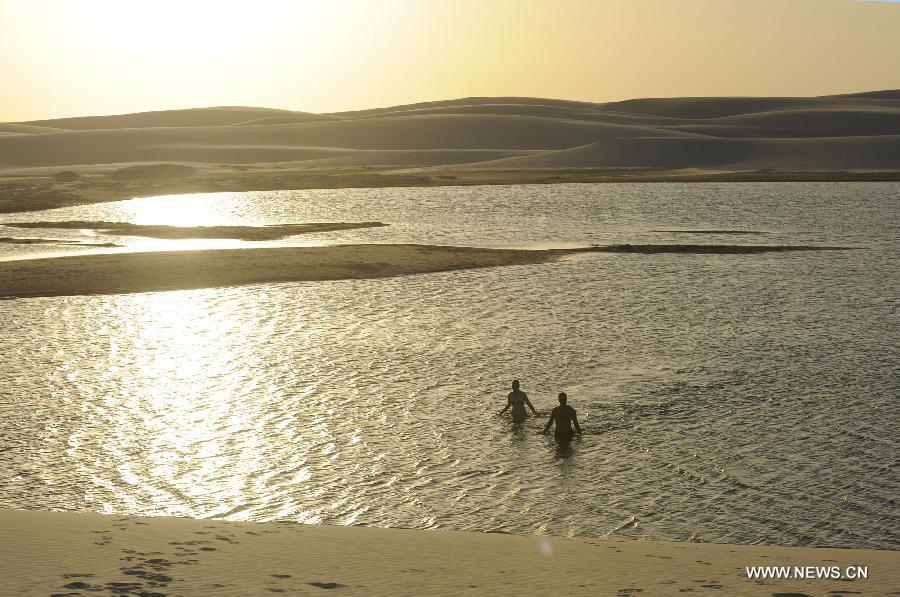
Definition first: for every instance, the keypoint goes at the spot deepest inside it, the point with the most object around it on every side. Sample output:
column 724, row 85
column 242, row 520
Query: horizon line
column 455, row 99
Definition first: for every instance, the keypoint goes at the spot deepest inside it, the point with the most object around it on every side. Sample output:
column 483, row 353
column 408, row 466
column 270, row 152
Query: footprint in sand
column 161, row 579
column 226, row 539
column 326, row 585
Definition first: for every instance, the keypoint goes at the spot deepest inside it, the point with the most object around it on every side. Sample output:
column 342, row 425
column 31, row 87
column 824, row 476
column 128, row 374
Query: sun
column 168, row 27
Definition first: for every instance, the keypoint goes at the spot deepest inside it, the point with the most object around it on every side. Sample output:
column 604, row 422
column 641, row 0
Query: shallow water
column 738, row 398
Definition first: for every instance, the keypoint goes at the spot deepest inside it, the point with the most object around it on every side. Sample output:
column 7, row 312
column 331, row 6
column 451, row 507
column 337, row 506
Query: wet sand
column 181, row 270
column 250, row 233
column 52, row 553
column 113, row 273
column 12, row 240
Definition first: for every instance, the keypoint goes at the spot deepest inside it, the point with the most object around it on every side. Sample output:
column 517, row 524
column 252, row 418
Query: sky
column 86, row 57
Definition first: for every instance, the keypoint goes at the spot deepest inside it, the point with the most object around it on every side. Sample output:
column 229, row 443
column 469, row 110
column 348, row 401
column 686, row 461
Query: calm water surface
column 735, row 398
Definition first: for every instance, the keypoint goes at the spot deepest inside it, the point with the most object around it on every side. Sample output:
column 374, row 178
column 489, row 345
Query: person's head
column 515, row 384
column 563, row 398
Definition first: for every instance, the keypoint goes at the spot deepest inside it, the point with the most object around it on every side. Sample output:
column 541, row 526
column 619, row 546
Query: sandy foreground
column 52, row 553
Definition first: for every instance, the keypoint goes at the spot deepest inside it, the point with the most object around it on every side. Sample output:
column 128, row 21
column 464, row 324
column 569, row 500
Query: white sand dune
column 876, row 120
column 217, row 116
column 470, row 101
column 857, row 131
column 292, row 142
column 832, row 153
column 412, row 158
column 716, row 107
column 27, row 128
column 594, row 113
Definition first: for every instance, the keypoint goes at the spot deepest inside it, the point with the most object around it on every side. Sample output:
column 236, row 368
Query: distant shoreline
column 27, row 193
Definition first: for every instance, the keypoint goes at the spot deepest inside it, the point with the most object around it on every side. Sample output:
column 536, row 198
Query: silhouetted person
column 517, row 399
column 564, row 416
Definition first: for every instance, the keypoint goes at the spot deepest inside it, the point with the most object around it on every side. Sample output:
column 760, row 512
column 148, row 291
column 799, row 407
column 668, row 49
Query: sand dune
column 292, row 142
column 217, row 116
column 468, row 101
column 893, row 94
column 588, row 113
column 849, row 122
column 857, row 131
column 694, row 108
column 27, row 128
column 832, row 153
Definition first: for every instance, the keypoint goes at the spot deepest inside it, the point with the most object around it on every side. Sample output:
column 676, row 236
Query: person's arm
column 528, row 402
column 508, row 404
column 575, row 421
column 550, row 422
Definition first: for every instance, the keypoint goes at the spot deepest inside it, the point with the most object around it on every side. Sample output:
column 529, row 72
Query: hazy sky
column 77, row 57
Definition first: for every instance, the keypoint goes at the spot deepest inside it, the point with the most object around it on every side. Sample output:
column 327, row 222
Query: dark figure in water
column 517, row 399
column 564, row 416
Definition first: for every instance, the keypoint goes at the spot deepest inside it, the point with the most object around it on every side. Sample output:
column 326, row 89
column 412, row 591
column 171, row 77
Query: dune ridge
column 465, row 141
column 858, row 131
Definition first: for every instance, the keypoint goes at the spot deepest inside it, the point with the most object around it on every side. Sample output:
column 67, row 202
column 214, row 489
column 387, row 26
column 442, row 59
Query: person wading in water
column 564, row 416
column 517, row 399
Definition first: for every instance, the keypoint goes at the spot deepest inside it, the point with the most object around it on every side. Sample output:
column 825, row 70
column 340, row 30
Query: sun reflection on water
column 192, row 209
column 184, row 397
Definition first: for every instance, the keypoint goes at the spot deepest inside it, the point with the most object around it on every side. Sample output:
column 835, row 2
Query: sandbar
column 250, row 233
column 113, row 273
column 182, row 270
column 13, row 240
